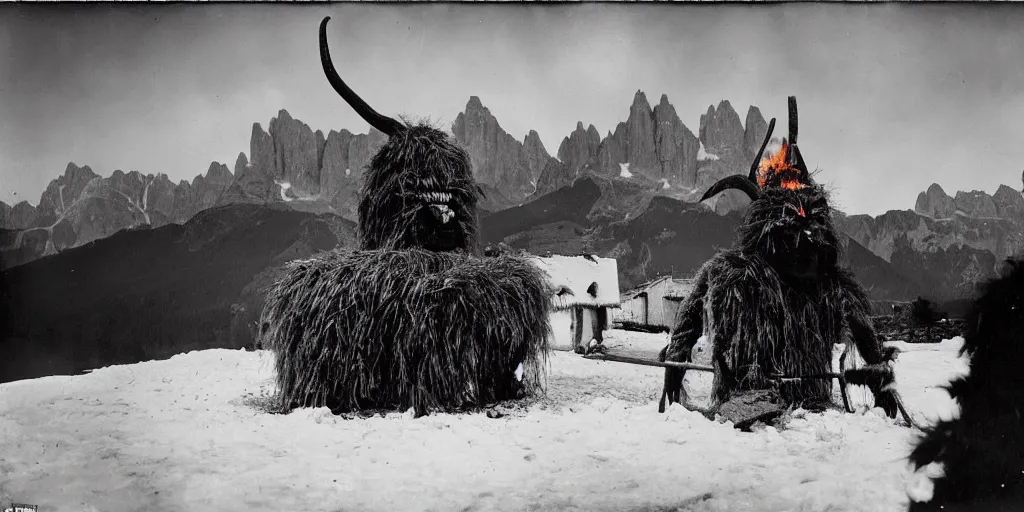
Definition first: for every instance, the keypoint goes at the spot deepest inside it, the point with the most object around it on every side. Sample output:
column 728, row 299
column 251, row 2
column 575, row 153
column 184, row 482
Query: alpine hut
column 654, row 304
column 584, row 288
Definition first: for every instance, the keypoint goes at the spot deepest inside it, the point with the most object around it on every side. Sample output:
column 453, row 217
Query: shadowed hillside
column 659, row 236
column 882, row 281
column 670, row 237
column 571, row 203
column 151, row 293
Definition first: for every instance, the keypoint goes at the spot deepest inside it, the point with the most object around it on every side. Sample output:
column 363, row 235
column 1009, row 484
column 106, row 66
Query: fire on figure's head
column 789, row 221
column 419, row 190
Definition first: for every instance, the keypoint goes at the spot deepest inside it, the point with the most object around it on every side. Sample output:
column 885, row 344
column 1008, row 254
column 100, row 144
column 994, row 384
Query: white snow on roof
column 577, row 274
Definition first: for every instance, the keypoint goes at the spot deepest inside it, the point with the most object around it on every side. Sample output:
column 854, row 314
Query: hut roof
column 679, row 289
column 675, row 288
column 581, row 281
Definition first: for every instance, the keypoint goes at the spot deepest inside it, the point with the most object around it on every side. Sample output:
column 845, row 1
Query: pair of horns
column 381, row 122
column 749, row 183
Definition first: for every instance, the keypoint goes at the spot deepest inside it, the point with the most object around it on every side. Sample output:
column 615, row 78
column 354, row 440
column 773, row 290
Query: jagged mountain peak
column 500, row 161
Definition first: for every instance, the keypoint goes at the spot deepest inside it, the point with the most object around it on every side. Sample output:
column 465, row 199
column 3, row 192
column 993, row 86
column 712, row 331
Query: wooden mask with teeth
column 418, row 190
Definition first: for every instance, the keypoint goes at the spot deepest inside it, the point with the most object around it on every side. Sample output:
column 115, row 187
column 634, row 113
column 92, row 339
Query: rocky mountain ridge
column 946, row 242
column 80, row 206
column 655, row 149
column 651, row 153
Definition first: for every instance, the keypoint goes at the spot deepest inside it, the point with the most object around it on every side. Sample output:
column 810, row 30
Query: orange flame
column 792, row 184
column 778, row 164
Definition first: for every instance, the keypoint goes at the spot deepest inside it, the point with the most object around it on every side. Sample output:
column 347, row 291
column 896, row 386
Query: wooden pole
column 648, row 362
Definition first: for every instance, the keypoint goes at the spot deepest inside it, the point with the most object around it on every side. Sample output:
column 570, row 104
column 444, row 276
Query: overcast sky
column 893, row 97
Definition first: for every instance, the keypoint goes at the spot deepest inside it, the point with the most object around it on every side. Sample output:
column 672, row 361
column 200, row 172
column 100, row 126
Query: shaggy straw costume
column 777, row 302
column 413, row 318
column 981, row 453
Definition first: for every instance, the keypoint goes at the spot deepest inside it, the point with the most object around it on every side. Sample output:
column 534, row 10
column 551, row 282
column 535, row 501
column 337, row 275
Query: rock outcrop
column 640, row 147
column 753, row 132
column 344, row 158
column 654, row 148
column 288, row 163
column 293, row 164
column 935, row 203
column 677, row 147
column 579, row 150
column 722, row 132
column 537, row 156
column 1009, row 203
column 976, row 204
column 500, row 161
column 651, row 153
column 297, row 153
column 1006, row 203
column 62, row 193
column 20, row 216
column 80, row 206
column 948, row 244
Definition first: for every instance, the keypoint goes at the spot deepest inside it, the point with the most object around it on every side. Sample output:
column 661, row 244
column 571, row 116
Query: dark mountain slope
column 571, row 203
column 151, row 293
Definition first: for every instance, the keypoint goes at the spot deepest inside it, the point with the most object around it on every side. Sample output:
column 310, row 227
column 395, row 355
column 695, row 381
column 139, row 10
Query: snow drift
column 190, row 433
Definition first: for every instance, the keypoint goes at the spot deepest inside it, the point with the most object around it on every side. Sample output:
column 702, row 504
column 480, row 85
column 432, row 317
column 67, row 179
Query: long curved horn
column 736, row 181
column 383, row 123
column 757, row 159
column 793, row 128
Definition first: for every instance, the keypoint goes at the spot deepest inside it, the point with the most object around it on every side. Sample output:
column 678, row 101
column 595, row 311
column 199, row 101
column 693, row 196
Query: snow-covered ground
column 189, row 434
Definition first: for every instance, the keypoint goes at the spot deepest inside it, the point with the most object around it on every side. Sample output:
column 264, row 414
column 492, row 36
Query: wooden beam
column 648, row 362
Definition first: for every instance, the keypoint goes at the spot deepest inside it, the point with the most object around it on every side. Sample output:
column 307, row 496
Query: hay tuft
column 387, row 330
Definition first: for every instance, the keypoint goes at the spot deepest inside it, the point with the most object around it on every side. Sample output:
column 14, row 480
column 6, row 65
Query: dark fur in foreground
column 982, row 451
column 389, row 330
column 778, row 301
